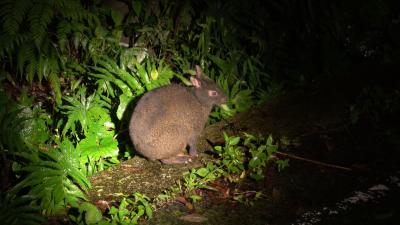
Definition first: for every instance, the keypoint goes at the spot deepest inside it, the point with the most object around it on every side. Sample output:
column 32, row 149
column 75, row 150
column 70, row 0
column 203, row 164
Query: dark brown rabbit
column 168, row 119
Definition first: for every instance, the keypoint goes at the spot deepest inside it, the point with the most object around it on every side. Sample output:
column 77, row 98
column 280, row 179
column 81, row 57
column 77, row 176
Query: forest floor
column 339, row 172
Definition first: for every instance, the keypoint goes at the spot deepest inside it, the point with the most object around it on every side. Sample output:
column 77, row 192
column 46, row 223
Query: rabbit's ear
column 199, row 72
column 196, row 82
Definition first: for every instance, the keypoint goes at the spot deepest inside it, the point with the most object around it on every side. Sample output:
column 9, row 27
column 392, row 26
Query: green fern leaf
column 72, row 10
column 6, row 43
column 40, row 17
column 13, row 13
column 19, row 210
column 104, row 73
column 110, row 71
column 142, row 74
column 64, row 28
column 54, row 179
column 124, row 100
column 23, row 129
column 42, row 64
column 26, row 54
column 55, row 84
column 88, row 112
column 131, row 81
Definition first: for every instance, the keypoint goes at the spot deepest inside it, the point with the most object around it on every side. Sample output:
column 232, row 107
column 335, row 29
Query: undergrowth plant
column 43, row 39
column 238, row 159
column 130, row 79
column 24, row 128
column 232, row 158
column 19, row 210
column 248, row 158
column 239, row 73
column 131, row 209
column 53, row 179
column 26, row 44
column 85, row 213
column 88, row 121
column 48, row 173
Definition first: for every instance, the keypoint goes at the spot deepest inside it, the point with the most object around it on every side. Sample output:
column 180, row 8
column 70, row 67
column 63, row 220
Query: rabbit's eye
column 212, row 93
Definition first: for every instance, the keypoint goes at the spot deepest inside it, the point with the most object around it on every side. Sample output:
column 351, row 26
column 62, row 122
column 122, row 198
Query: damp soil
column 331, row 161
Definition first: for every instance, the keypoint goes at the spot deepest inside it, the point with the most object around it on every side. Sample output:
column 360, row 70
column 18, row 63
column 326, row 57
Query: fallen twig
column 313, row 161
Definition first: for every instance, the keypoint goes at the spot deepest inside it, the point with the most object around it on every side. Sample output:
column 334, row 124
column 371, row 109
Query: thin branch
column 313, row 161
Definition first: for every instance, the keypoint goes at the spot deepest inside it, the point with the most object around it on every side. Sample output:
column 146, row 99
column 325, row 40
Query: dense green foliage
column 19, row 210
column 54, row 178
column 238, row 159
column 131, row 209
column 68, row 86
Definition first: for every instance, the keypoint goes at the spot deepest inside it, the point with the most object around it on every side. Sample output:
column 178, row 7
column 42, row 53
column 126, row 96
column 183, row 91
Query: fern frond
column 64, row 28
column 72, row 10
column 30, row 70
column 111, row 72
column 8, row 43
column 54, row 80
column 10, row 127
column 26, row 54
column 5, row 9
column 42, row 67
column 54, row 179
column 13, row 13
column 23, row 129
column 19, row 210
column 35, row 130
column 85, row 111
column 40, row 17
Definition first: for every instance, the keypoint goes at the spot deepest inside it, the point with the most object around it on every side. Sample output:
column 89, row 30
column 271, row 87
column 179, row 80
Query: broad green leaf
column 154, row 74
column 92, row 215
column 137, row 7
column 142, row 74
column 124, row 100
column 234, row 141
column 117, row 17
column 202, row 172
